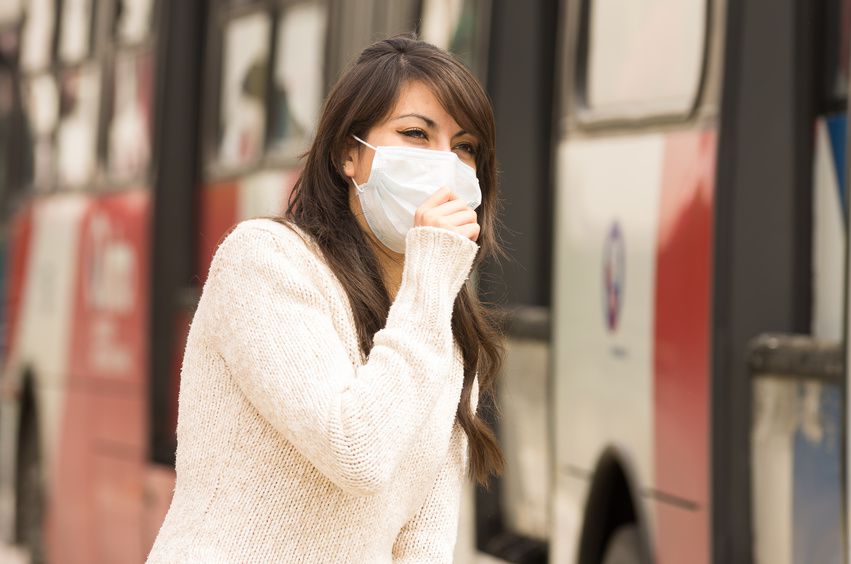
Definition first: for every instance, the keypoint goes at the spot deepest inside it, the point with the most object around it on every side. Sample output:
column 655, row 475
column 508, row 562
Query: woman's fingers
column 462, row 217
column 470, row 231
column 453, row 206
column 446, row 210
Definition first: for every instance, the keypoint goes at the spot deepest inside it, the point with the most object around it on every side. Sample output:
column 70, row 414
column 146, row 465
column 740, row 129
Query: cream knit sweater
column 294, row 448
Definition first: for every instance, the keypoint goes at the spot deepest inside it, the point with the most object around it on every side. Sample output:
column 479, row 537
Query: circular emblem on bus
column 614, row 275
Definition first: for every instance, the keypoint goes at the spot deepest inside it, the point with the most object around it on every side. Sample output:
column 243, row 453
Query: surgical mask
column 401, row 179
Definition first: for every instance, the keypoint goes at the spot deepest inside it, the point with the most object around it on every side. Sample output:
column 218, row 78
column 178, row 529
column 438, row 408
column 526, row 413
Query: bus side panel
column 681, row 387
column 99, row 470
column 608, row 201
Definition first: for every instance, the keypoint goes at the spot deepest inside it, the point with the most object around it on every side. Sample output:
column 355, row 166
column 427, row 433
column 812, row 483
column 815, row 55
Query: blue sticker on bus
column 614, row 276
column 817, row 484
column 836, row 126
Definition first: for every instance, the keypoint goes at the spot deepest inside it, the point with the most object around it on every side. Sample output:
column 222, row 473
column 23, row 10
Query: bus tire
column 624, row 546
column 30, row 504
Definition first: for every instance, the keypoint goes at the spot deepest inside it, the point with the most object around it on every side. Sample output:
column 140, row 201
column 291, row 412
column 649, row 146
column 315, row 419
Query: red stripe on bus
column 681, row 341
column 17, row 252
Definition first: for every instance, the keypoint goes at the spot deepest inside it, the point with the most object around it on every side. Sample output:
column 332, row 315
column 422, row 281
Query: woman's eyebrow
column 429, row 122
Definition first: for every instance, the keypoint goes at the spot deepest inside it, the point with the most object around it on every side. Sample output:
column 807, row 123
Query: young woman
column 335, row 362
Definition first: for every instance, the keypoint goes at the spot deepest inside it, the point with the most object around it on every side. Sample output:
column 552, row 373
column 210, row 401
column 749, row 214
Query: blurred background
column 675, row 299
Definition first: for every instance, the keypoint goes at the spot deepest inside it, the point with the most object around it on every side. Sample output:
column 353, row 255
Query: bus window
column 133, row 21
column 834, row 87
column 36, row 49
column 76, row 136
column 242, row 109
column 298, row 75
column 644, row 58
column 458, row 26
column 11, row 11
column 42, row 106
column 129, row 129
column 75, row 30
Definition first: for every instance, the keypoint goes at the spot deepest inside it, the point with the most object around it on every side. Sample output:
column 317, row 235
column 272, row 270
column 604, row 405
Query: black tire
column 624, row 546
column 30, row 503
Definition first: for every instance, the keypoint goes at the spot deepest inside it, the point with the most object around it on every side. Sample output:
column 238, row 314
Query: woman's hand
column 446, row 210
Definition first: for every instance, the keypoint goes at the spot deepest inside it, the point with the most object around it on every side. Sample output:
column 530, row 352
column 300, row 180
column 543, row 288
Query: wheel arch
column 613, row 500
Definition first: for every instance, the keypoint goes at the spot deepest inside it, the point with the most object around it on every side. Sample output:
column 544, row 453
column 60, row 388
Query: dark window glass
column 7, row 126
column 837, row 19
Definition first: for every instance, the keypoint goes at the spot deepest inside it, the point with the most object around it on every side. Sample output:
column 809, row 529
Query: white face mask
column 401, row 179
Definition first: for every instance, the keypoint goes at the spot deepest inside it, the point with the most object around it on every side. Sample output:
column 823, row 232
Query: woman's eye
column 415, row 133
column 467, row 148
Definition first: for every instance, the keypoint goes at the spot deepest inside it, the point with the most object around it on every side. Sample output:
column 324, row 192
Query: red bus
column 133, row 135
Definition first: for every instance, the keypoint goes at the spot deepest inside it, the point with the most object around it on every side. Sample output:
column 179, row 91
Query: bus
column 133, row 135
column 697, row 201
column 674, row 180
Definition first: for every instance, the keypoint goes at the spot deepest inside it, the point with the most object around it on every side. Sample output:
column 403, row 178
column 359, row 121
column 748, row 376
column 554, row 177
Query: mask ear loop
column 355, row 182
column 364, row 142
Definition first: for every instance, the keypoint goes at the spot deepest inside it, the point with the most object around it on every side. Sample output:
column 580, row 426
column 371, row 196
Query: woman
column 329, row 384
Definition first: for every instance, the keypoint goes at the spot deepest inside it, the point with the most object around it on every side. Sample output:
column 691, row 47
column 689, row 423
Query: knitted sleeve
column 429, row 537
column 275, row 330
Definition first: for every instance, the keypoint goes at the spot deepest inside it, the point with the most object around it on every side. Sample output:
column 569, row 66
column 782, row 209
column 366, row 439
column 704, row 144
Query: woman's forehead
column 417, row 100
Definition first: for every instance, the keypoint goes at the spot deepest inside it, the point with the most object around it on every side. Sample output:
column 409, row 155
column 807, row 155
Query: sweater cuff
column 440, row 254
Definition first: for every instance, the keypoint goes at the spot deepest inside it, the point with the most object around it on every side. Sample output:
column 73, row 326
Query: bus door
column 511, row 46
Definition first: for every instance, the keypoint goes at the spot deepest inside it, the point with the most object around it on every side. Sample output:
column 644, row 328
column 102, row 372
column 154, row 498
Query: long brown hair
column 319, row 205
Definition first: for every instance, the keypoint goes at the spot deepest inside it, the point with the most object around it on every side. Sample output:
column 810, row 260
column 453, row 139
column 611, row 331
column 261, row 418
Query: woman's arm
column 430, row 536
column 274, row 328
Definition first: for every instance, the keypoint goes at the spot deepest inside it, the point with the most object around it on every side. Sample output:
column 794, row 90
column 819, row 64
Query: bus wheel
column 30, row 510
column 624, row 546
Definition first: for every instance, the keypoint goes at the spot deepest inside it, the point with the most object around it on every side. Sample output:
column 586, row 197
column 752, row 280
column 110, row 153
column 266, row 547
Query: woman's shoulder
column 258, row 232
column 267, row 239
column 281, row 229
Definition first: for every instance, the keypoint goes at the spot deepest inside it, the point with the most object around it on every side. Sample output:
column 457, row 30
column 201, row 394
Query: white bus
column 697, row 153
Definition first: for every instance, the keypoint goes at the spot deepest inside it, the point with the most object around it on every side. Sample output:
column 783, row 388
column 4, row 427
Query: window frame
column 575, row 81
column 104, row 48
column 223, row 12
column 826, row 101
column 115, row 47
